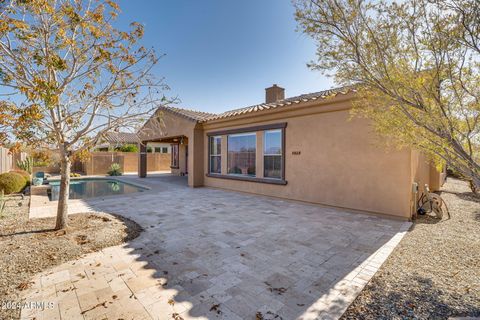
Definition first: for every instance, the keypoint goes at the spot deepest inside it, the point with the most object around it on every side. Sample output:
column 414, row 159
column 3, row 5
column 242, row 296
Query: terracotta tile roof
column 205, row 116
column 121, row 137
column 286, row 102
column 190, row 114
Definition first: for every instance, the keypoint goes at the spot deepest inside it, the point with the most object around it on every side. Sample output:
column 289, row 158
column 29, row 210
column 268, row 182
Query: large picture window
column 215, row 165
column 241, row 154
column 272, row 154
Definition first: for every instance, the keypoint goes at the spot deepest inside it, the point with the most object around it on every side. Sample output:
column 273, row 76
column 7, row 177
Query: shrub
column 127, row 148
column 12, row 182
column 115, row 170
column 24, row 174
column 41, row 164
column 74, row 175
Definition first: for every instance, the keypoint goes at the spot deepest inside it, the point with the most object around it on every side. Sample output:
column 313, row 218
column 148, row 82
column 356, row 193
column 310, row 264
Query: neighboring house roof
column 205, row 116
column 121, row 137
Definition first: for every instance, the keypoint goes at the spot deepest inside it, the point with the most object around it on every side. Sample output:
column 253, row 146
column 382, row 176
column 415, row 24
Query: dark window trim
column 281, row 125
column 210, row 154
column 282, row 155
column 247, row 178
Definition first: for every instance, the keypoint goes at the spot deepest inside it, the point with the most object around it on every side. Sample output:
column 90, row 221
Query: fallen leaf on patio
column 216, row 308
column 114, row 296
column 176, row 316
column 259, row 316
column 300, row 304
column 171, row 302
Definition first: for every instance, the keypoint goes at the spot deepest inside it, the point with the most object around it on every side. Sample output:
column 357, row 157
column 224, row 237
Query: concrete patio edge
column 336, row 302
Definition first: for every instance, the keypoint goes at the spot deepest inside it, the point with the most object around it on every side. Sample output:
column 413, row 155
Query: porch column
column 142, row 160
column 196, row 169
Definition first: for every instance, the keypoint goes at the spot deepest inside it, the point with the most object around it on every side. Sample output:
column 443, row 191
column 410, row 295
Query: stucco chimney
column 274, row 94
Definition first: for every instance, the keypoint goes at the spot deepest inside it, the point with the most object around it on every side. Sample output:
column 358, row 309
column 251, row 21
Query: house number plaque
column 296, row 153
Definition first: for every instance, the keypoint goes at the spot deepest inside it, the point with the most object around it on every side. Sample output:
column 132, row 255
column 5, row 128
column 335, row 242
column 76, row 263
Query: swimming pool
column 93, row 188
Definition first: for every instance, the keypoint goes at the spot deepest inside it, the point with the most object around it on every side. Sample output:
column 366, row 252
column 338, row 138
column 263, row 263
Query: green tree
column 77, row 75
column 415, row 66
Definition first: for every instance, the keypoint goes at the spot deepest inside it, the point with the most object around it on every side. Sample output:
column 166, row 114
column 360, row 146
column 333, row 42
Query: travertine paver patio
column 214, row 254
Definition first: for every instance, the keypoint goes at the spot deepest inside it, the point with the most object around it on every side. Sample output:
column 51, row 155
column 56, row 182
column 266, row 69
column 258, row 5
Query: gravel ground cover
column 31, row 246
column 434, row 273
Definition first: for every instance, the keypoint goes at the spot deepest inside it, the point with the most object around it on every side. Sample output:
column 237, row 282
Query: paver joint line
column 219, row 248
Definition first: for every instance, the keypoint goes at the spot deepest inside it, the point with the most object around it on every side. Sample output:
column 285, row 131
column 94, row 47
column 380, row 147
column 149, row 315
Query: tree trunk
column 62, row 209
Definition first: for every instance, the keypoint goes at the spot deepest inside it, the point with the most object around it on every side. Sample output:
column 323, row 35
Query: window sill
column 250, row 179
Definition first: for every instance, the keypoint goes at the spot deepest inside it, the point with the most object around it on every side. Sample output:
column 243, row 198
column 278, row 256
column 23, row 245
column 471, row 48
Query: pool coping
column 40, row 204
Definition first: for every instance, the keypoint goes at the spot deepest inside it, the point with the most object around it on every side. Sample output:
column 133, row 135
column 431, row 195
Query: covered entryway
column 178, row 155
column 180, row 128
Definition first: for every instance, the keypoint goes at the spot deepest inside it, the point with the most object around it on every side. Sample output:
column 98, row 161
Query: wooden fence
column 99, row 162
column 8, row 160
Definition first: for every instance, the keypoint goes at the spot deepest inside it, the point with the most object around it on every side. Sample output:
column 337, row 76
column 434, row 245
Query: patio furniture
column 37, row 181
column 40, row 174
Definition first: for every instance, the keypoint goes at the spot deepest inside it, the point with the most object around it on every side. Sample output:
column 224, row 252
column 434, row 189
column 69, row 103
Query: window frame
column 210, row 155
column 255, row 129
column 281, row 155
column 246, row 133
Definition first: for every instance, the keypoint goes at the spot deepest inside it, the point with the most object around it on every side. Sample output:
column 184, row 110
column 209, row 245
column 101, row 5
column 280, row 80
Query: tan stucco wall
column 341, row 163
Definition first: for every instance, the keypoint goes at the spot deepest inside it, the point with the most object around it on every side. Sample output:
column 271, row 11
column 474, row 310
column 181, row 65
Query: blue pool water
column 92, row 188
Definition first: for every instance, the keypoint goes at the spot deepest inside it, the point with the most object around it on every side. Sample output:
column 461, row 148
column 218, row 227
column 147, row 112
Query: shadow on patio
column 216, row 254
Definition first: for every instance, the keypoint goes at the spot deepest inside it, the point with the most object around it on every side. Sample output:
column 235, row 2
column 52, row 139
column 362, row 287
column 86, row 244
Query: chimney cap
column 274, row 86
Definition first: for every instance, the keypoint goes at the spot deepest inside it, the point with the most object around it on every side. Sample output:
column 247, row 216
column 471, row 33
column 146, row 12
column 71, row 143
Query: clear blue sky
column 222, row 54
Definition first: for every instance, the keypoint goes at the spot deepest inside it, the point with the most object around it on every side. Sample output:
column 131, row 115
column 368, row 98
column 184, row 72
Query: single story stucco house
column 304, row 148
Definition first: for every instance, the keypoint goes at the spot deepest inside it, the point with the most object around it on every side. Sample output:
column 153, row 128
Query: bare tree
column 78, row 75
